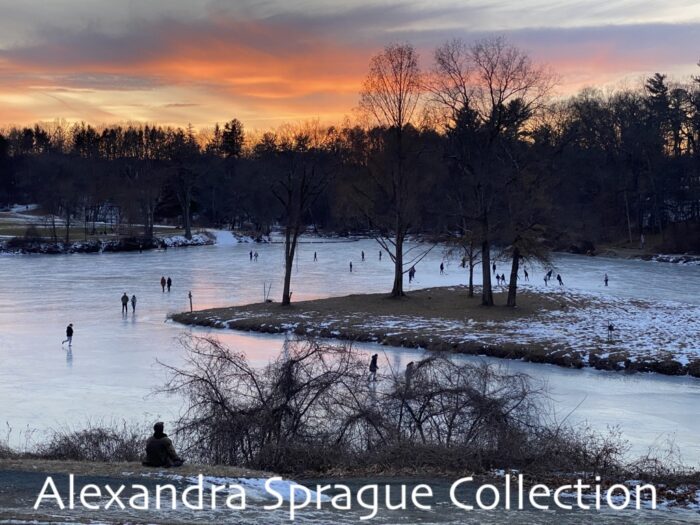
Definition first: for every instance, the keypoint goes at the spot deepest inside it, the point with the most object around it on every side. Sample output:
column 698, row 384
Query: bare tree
column 487, row 92
column 299, row 170
column 390, row 94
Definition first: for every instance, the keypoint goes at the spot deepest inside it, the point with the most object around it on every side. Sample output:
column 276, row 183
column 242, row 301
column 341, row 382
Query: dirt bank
column 557, row 327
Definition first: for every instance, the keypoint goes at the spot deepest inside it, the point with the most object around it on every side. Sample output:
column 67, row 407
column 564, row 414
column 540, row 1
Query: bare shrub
column 95, row 443
column 313, row 409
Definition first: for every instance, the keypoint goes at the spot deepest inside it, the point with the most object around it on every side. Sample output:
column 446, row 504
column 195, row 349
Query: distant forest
column 475, row 147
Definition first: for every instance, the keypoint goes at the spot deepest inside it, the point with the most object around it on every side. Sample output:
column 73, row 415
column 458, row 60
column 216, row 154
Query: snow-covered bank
column 25, row 246
column 568, row 329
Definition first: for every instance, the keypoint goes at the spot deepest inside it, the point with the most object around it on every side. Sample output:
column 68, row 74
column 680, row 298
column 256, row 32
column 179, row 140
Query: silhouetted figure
column 611, row 329
column 350, row 266
column 411, row 274
column 605, row 279
column 255, row 256
column 527, row 276
column 169, row 282
column 373, row 368
column 494, row 268
column 380, row 255
column 561, row 282
column 140, row 248
column 442, row 268
column 315, row 257
column 133, row 303
column 69, row 335
column 251, row 255
column 160, row 451
column 546, row 281
column 549, row 274
column 162, row 283
column 125, row 303
column 363, row 255
column 503, row 279
column 409, row 374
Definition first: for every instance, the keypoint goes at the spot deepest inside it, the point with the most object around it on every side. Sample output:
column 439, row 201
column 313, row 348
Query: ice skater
column 133, row 304
column 494, row 268
column 169, row 282
column 559, row 279
column 162, row 283
column 363, row 256
column 527, row 276
column 442, row 268
column 315, row 257
column 373, row 368
column 125, row 304
column 605, row 279
column 69, row 335
column 380, row 255
column 255, row 256
column 409, row 374
column 411, row 274
column 251, row 255
column 503, row 279
column 350, row 266
column 546, row 281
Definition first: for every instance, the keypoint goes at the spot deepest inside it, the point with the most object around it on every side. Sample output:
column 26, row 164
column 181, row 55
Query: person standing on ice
column 380, row 255
column 169, row 282
column 546, row 281
column 350, row 266
column 363, row 256
column 162, row 283
column 561, row 282
column 373, row 368
column 494, row 268
column 125, row 303
column 69, row 335
column 527, row 276
column 605, row 279
column 251, row 255
column 315, row 257
column 133, row 303
column 442, row 268
column 503, row 279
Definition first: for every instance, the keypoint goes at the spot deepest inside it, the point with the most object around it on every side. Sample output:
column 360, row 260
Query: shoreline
column 21, row 246
column 445, row 319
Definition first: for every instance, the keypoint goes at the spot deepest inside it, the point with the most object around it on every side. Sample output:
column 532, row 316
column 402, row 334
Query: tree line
column 474, row 151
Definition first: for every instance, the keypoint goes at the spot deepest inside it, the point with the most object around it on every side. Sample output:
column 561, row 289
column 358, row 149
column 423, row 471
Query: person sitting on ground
column 160, row 451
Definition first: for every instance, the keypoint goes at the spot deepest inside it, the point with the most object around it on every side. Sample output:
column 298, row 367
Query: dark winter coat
column 160, row 452
column 69, row 331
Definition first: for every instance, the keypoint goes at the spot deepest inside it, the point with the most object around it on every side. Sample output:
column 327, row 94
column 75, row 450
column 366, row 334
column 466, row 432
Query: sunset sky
column 266, row 61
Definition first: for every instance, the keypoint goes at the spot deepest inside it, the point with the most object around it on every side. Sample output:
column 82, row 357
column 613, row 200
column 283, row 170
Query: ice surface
column 113, row 367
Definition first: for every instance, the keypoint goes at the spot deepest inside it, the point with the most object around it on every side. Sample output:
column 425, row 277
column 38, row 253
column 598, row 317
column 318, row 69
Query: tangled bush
column 314, row 409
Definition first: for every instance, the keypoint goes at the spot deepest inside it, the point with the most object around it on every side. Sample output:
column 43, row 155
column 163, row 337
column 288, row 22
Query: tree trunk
column 513, row 285
column 290, row 245
column 486, row 292
column 67, row 225
column 629, row 223
column 397, row 290
column 186, row 219
column 471, row 277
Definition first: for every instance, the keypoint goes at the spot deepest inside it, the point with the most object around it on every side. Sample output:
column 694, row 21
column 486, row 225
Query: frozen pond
column 112, row 368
